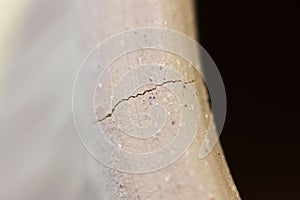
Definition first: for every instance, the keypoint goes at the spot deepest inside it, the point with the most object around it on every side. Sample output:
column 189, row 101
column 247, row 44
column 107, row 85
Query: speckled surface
column 189, row 177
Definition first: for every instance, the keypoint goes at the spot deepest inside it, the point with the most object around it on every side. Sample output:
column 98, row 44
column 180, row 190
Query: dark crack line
column 141, row 94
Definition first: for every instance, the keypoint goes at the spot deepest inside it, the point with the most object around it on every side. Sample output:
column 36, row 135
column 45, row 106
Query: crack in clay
column 141, row 94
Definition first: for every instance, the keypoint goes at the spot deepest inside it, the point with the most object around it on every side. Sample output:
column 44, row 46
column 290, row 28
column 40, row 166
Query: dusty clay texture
column 188, row 177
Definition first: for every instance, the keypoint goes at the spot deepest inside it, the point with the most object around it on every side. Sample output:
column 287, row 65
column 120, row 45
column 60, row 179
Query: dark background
column 255, row 46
